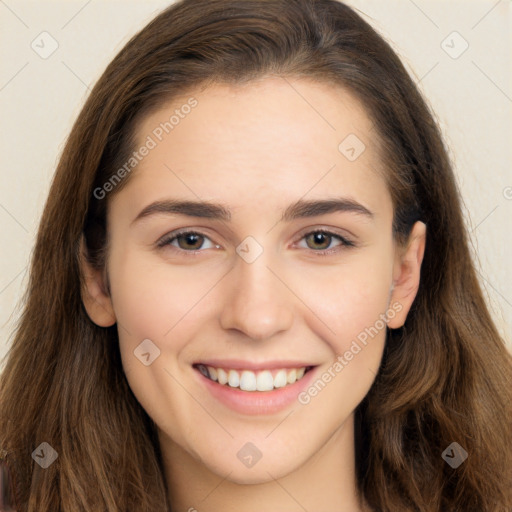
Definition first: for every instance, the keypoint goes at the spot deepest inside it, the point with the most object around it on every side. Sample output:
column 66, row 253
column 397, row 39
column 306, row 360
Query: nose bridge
column 258, row 304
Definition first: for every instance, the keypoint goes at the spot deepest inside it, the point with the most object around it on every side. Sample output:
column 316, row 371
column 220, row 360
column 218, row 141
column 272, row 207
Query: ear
column 406, row 274
column 94, row 292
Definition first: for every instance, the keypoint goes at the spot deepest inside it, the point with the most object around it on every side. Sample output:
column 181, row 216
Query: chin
column 259, row 473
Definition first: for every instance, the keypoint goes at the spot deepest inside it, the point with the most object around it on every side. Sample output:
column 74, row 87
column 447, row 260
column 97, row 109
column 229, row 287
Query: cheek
column 350, row 304
column 163, row 304
column 352, row 308
column 150, row 299
column 350, row 299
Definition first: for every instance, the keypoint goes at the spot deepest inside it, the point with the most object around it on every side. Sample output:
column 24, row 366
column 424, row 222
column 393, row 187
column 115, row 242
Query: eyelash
column 168, row 239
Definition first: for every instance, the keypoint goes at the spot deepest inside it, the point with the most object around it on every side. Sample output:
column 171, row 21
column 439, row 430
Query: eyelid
column 166, row 240
column 346, row 242
column 328, row 230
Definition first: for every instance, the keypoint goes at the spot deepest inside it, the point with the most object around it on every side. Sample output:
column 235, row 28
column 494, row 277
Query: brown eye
column 192, row 241
column 319, row 238
column 186, row 241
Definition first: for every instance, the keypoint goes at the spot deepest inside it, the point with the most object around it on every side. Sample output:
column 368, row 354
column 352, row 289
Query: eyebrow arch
column 216, row 211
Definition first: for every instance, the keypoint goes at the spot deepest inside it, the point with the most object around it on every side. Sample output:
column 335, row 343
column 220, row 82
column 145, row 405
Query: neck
column 326, row 481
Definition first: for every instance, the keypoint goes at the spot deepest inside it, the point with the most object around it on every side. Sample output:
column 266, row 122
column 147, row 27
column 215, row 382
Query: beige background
column 470, row 91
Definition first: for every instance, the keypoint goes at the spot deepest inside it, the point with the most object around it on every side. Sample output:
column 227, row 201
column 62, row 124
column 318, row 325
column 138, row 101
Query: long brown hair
column 445, row 377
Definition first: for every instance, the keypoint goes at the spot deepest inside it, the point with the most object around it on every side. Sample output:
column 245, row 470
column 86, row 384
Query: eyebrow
column 217, row 211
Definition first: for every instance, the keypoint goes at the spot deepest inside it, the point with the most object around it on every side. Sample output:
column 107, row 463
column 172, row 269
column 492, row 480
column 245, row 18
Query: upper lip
column 240, row 364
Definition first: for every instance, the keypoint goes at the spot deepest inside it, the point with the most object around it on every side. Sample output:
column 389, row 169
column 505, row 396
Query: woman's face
column 249, row 296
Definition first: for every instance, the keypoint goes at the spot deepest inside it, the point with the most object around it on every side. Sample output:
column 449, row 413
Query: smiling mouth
column 248, row 380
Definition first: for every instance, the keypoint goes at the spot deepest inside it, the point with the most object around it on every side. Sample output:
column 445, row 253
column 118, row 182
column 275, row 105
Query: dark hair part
column 445, row 376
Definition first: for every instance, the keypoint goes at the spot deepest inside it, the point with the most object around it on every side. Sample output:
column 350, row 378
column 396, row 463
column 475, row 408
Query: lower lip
column 256, row 402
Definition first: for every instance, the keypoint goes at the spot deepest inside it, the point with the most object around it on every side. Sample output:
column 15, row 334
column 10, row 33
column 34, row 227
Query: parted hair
column 445, row 376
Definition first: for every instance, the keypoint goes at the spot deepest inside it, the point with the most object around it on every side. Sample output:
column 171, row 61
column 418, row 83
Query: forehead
column 265, row 139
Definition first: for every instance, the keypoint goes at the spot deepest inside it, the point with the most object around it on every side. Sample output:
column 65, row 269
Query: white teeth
column 280, row 379
column 248, row 381
column 253, row 381
column 264, row 381
column 233, row 378
column 222, row 376
column 212, row 372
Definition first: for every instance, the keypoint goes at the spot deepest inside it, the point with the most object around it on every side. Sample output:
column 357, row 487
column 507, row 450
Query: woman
column 186, row 346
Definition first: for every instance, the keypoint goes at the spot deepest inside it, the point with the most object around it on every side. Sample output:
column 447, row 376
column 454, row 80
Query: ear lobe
column 94, row 293
column 406, row 274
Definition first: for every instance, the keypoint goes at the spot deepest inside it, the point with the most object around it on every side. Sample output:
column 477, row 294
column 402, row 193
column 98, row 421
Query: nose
column 258, row 304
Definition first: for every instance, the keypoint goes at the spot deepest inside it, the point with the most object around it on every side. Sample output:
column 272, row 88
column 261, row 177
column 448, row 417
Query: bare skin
column 257, row 149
